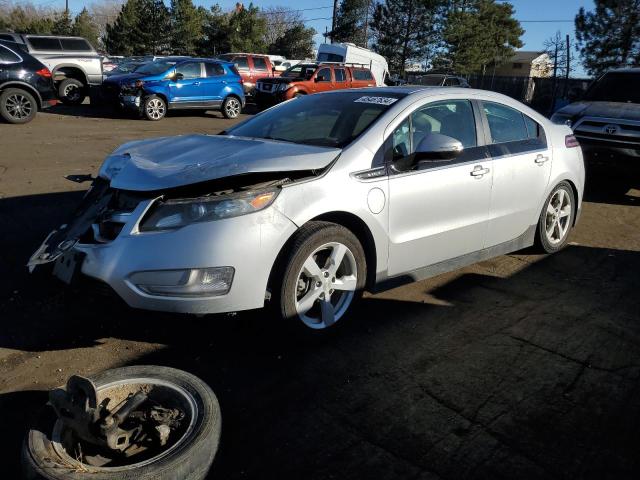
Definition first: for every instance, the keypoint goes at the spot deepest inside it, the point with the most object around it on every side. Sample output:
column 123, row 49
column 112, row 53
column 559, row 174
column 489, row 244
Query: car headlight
column 561, row 119
column 174, row 214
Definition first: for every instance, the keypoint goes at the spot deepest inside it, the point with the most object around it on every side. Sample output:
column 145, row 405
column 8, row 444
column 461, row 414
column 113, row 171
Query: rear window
column 241, row 62
column 213, row 69
column 7, row 56
column 44, row 43
column 6, row 37
column 505, row 123
column 615, row 87
column 75, row 44
column 259, row 64
column 359, row 74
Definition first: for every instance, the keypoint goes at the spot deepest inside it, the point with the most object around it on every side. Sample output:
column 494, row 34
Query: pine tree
column 83, row 26
column 121, row 36
column 296, row 42
column 480, row 33
column 186, row 27
column 351, row 23
column 215, row 38
column 609, row 36
column 403, row 29
column 62, row 25
column 246, row 30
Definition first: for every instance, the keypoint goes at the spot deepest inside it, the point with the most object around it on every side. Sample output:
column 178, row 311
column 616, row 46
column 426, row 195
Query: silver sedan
column 311, row 202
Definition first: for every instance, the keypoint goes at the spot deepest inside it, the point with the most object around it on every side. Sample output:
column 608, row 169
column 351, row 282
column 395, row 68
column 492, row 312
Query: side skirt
column 523, row 241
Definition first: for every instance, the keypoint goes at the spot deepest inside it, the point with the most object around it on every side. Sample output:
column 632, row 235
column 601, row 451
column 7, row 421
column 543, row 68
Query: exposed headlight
column 561, row 119
column 178, row 213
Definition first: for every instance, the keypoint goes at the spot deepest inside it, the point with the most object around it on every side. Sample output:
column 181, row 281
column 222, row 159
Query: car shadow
column 613, row 188
column 531, row 376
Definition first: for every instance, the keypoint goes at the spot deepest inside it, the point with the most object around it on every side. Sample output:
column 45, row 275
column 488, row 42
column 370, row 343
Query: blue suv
column 178, row 83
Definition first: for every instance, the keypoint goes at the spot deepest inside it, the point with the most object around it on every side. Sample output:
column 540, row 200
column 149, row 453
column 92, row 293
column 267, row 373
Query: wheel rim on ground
column 18, row 106
column 155, row 108
column 233, row 107
column 75, row 452
column 326, row 285
column 72, row 92
column 558, row 217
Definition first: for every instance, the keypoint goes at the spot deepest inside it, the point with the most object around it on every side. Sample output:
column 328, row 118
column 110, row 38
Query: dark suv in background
column 606, row 121
column 26, row 84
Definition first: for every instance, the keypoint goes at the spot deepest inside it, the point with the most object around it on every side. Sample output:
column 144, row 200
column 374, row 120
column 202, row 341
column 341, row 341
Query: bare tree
column 104, row 12
column 279, row 20
column 556, row 48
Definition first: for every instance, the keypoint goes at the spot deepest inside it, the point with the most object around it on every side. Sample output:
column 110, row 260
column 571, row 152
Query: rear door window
column 340, row 74
column 259, row 64
column 44, row 43
column 512, row 131
column 360, row 74
column 7, row 56
column 75, row 44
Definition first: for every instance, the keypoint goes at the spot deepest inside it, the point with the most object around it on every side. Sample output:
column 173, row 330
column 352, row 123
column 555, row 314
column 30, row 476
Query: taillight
column 571, row 141
column 44, row 72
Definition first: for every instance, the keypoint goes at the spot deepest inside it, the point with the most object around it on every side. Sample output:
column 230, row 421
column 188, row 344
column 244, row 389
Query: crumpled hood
column 623, row 111
column 170, row 162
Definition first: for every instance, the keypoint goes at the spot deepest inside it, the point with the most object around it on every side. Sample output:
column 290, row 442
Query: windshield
column 325, row 120
column 615, row 87
column 299, row 71
column 155, row 68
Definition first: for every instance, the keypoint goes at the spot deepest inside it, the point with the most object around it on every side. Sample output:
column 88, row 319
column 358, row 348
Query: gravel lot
column 525, row 366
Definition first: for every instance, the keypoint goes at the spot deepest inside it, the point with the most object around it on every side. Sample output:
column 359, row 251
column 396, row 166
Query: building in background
column 526, row 64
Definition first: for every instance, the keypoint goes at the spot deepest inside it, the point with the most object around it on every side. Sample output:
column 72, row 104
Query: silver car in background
column 313, row 201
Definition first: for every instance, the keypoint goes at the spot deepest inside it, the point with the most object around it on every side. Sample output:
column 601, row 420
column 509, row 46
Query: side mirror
column 178, row 76
column 320, row 78
column 437, row 147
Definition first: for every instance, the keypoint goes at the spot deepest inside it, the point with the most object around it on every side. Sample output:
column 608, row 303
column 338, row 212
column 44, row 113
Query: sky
column 540, row 18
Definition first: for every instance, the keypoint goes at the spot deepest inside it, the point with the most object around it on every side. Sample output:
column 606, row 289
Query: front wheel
column 154, row 108
column 324, row 276
column 556, row 218
column 231, row 107
column 17, row 106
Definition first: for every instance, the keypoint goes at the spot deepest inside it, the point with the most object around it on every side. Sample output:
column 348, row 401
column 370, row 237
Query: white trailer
column 350, row 53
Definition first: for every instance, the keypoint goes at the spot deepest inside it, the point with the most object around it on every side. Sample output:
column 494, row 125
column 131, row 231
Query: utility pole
column 566, row 74
column 66, row 7
column 366, row 25
column 335, row 15
column 555, row 81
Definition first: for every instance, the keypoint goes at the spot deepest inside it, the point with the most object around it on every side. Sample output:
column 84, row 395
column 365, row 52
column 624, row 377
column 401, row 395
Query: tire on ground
column 190, row 460
column 72, row 91
column 6, row 95
column 154, row 108
column 541, row 239
column 231, row 107
column 311, row 236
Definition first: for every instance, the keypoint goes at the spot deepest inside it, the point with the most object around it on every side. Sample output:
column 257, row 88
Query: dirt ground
column 525, row 366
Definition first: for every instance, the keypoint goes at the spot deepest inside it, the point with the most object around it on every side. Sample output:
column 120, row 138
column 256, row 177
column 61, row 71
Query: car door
column 521, row 170
column 438, row 210
column 322, row 80
column 340, row 75
column 188, row 89
column 260, row 68
column 214, row 83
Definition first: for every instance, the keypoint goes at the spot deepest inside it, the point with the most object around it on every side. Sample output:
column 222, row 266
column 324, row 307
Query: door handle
column 479, row 171
column 540, row 159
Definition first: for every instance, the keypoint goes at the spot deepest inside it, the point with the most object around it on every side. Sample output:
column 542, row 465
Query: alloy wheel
column 558, row 217
column 232, row 107
column 18, row 106
column 326, row 285
column 155, row 109
column 72, row 93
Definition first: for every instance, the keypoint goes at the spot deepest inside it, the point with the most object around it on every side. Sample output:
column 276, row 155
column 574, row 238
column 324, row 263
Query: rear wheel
column 231, row 107
column 324, row 276
column 17, row 106
column 556, row 218
column 72, row 91
column 154, row 108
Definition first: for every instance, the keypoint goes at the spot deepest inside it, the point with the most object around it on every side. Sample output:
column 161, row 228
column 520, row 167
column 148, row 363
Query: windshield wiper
column 278, row 139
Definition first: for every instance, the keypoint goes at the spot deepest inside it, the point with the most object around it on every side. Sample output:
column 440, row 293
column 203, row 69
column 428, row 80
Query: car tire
column 190, row 459
column 556, row 218
column 72, row 91
column 302, row 284
column 154, row 108
column 231, row 107
column 17, row 106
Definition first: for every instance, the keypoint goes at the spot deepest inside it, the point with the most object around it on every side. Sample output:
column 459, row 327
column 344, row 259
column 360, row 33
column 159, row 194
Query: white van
column 350, row 53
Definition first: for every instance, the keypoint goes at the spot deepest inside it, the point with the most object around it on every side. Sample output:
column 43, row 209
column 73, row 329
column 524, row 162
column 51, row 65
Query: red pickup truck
column 251, row 67
column 308, row 78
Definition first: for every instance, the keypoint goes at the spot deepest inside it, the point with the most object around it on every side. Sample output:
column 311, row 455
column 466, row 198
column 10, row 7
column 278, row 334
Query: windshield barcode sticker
column 377, row 100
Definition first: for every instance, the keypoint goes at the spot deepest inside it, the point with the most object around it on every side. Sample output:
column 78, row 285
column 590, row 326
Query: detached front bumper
column 244, row 246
